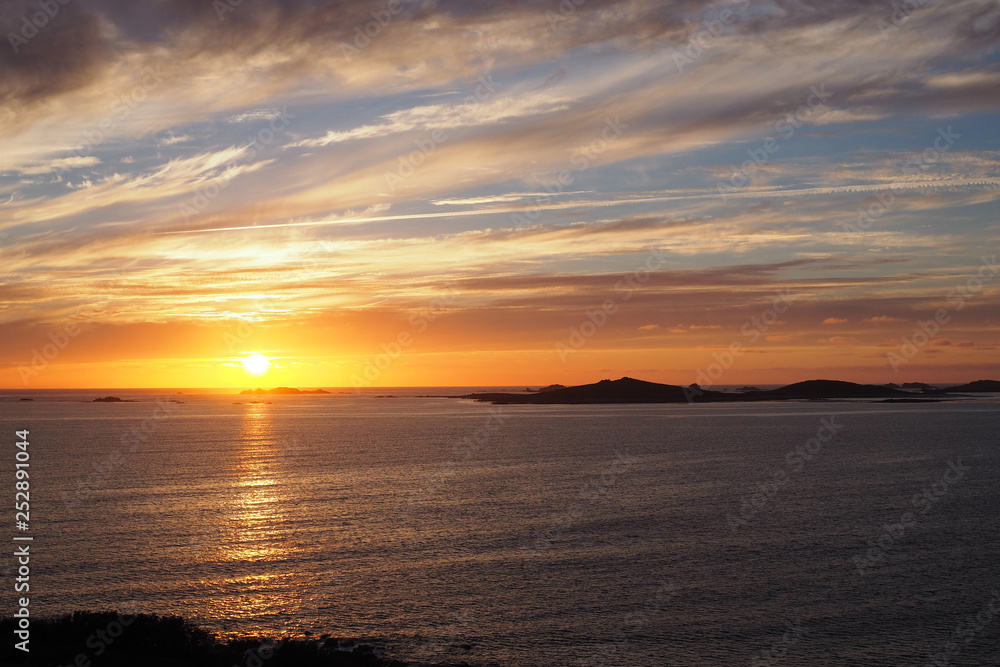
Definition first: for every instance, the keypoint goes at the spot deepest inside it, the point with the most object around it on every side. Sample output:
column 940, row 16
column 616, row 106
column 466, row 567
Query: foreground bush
column 109, row 639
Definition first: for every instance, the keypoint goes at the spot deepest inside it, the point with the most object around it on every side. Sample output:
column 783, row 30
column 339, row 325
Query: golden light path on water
column 251, row 536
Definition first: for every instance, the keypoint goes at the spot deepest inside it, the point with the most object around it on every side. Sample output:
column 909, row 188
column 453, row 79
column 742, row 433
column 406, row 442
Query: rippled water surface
column 533, row 535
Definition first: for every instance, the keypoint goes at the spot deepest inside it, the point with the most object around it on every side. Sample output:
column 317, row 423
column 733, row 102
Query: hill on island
column 630, row 390
column 988, row 386
column 625, row 390
column 826, row 389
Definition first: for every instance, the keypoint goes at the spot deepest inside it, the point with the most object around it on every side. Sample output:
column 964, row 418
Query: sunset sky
column 439, row 192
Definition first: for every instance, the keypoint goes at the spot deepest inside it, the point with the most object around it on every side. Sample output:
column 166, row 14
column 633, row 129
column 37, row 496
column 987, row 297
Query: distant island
column 987, row 386
column 630, row 390
column 283, row 390
column 111, row 399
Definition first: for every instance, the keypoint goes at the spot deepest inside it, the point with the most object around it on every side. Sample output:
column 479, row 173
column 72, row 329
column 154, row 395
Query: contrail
column 556, row 206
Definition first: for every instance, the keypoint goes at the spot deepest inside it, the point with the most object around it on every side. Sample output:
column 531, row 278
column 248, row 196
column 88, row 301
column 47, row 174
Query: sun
column 256, row 364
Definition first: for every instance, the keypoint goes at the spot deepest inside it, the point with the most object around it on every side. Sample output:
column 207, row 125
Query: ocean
column 444, row 530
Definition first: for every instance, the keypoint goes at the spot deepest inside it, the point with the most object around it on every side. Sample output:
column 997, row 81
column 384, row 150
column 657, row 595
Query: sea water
column 441, row 530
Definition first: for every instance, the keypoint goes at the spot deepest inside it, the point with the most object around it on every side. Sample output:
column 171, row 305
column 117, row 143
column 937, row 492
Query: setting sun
column 257, row 364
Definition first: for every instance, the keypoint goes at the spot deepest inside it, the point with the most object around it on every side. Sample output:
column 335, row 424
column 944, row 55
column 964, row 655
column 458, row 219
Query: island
column 283, row 390
column 630, row 390
column 916, row 385
column 979, row 386
column 111, row 399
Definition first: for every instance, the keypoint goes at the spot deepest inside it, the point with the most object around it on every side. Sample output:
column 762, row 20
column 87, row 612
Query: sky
column 445, row 193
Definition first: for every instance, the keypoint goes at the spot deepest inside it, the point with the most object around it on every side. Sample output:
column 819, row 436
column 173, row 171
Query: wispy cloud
column 172, row 139
column 59, row 164
column 446, row 117
column 526, row 205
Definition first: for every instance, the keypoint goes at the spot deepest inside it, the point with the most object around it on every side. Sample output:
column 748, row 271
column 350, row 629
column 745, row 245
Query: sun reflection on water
column 258, row 504
column 252, row 543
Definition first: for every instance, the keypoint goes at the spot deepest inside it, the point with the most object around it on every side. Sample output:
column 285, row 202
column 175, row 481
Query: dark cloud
column 87, row 36
column 64, row 54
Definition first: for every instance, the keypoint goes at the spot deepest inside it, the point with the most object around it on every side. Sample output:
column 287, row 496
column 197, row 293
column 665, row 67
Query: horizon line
column 449, row 386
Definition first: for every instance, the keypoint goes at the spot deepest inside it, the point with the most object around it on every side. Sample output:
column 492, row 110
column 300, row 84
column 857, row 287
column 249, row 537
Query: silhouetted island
column 818, row 389
column 630, row 390
column 986, row 386
column 111, row 399
column 551, row 387
column 283, row 390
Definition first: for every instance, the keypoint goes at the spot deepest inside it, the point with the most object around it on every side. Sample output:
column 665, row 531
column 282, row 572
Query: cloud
column 478, row 212
column 490, row 111
column 174, row 139
column 60, row 164
column 504, row 198
column 649, row 327
column 255, row 115
column 838, row 340
column 883, row 319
